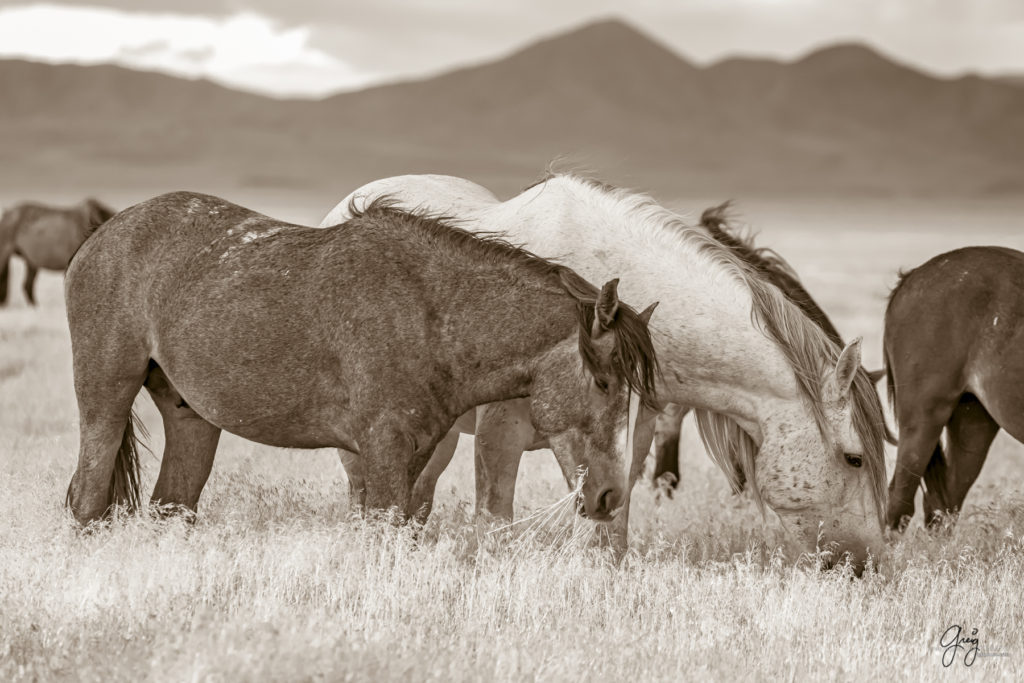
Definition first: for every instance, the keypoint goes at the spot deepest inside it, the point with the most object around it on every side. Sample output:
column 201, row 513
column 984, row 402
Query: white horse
column 780, row 407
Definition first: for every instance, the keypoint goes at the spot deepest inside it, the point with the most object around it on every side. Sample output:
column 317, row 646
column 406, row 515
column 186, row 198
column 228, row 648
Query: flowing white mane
column 804, row 344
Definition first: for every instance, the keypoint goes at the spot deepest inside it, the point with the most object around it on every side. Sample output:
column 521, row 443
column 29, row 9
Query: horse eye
column 601, row 384
column 854, row 460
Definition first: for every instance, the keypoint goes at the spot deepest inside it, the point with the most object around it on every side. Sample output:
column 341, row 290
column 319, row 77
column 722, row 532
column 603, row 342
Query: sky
column 309, row 48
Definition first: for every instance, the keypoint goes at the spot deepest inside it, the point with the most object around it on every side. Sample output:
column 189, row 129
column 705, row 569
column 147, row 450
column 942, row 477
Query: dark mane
column 633, row 360
column 868, row 418
column 768, row 264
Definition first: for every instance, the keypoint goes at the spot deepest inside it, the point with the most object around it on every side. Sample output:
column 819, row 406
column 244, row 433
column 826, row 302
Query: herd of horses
column 424, row 307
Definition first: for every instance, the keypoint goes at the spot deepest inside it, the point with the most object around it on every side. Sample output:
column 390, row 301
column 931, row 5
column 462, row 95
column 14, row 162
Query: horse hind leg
column 190, row 444
column 921, row 426
column 107, row 474
column 970, row 431
column 29, row 286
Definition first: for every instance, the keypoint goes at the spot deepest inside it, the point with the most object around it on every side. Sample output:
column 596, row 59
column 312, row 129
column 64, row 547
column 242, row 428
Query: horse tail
column 124, row 480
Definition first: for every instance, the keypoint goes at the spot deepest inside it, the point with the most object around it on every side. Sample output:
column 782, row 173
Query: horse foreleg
column 971, row 430
column 503, row 432
column 29, row 286
column 391, row 461
column 423, row 491
column 615, row 533
column 666, row 445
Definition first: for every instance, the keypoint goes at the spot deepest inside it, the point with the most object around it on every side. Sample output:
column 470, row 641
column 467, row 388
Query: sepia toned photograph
column 453, row 340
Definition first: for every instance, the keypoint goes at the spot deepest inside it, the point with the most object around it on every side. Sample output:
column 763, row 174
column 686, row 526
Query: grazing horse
column 45, row 237
column 953, row 361
column 373, row 335
column 780, row 406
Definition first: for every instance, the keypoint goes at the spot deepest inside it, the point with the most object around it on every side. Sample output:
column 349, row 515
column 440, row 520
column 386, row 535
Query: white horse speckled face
column 816, row 497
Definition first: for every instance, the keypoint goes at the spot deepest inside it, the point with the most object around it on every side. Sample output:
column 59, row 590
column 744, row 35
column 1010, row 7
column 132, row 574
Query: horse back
column 437, row 194
column 230, row 303
column 235, row 284
column 955, row 320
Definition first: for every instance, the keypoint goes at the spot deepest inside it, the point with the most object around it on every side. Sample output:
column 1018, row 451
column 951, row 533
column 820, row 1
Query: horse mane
column 770, row 265
column 717, row 220
column 633, row 360
column 800, row 337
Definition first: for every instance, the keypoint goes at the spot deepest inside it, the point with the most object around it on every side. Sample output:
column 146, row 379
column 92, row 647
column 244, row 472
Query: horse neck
column 711, row 353
column 508, row 364
column 492, row 352
column 715, row 358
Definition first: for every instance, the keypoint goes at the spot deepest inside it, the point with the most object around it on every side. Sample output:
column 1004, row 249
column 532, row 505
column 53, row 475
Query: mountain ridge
column 841, row 119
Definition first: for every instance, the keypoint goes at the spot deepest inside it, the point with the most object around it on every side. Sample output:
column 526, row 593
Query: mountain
column 605, row 97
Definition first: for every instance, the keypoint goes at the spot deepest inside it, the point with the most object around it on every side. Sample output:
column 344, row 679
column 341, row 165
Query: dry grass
column 276, row 582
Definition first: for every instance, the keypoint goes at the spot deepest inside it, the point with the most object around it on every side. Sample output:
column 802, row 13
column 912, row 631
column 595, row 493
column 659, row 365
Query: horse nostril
column 609, row 501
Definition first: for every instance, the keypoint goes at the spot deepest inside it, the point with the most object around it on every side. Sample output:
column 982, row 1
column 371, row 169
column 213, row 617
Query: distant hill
column 605, row 97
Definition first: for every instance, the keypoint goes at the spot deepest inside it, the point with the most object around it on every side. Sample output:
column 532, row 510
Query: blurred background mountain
column 605, row 98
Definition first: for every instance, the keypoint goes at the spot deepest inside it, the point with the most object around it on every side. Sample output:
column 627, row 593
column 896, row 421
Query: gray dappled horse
column 954, row 361
column 44, row 237
column 373, row 336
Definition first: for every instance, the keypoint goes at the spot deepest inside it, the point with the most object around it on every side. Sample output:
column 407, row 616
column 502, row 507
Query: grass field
column 276, row 582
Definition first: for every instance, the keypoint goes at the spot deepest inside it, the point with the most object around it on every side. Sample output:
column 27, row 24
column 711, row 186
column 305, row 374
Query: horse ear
column 645, row 315
column 606, row 307
column 876, row 375
column 846, row 366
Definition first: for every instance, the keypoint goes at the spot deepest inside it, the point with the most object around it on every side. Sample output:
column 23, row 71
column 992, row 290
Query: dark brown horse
column 954, row 357
column 45, row 237
column 373, row 335
column 776, row 270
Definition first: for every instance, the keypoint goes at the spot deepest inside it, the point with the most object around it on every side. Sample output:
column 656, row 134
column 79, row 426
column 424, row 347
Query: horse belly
column 1001, row 390
column 272, row 401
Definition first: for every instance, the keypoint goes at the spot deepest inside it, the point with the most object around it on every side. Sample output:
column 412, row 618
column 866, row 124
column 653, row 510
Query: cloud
column 234, row 49
column 311, row 47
